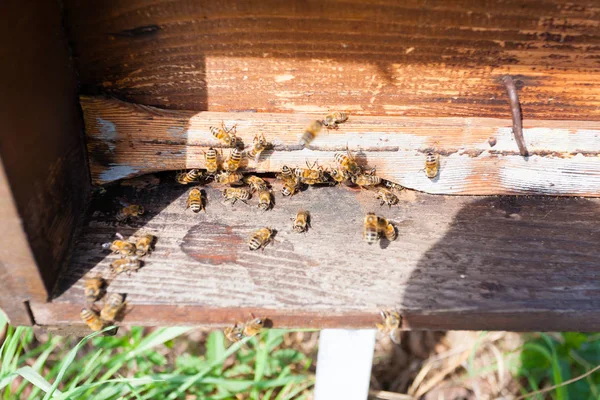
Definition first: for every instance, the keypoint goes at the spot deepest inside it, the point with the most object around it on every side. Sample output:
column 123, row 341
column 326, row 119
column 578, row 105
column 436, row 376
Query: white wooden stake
column 344, row 364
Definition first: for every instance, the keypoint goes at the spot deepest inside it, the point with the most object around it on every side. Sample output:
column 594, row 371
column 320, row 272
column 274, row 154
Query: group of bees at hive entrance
column 95, row 288
column 243, row 187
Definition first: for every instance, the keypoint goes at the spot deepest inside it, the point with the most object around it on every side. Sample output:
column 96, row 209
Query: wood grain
column 45, row 179
column 125, row 140
column 415, row 58
column 518, row 263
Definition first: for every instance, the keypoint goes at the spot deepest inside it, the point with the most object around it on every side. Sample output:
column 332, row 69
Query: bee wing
column 119, row 236
column 396, row 335
column 106, row 245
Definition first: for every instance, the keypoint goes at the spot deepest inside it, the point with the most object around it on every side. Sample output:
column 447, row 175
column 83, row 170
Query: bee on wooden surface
column 432, row 165
column 366, row 180
column 253, row 326
column 370, row 230
column 195, row 200
column 91, row 319
column 287, row 174
column 260, row 238
column 94, row 288
column 233, row 161
column 125, row 265
column 387, row 197
column 392, row 185
column 339, row 175
column 143, row 244
column 188, row 177
column 332, row 120
column 112, row 307
column 256, row 183
column 391, row 325
column 264, row 199
column 130, row 211
column 259, row 144
column 224, row 135
column 120, row 246
column 311, row 131
column 234, row 333
column 311, row 175
column 290, row 187
column 347, row 163
column 301, row 222
column 211, row 161
column 235, row 194
column 388, row 230
column 231, row 178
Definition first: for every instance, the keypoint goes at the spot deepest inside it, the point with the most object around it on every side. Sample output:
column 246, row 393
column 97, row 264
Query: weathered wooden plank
column 519, row 263
column 416, row 58
column 126, row 140
column 19, row 278
column 41, row 149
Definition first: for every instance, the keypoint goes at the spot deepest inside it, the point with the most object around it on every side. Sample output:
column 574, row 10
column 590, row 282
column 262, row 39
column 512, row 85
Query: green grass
column 547, row 360
column 138, row 366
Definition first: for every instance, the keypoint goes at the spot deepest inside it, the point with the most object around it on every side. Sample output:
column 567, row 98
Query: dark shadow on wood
column 521, row 259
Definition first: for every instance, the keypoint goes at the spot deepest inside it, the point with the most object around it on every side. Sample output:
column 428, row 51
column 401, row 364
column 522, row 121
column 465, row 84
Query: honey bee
column 388, row 230
column 91, row 319
column 226, row 136
column 264, row 199
column 371, row 231
column 301, row 222
column 311, row 131
column 253, row 326
column 287, row 174
column 332, row 120
column 234, row 333
column 392, row 185
column 127, row 265
column 188, row 177
column 256, row 183
column 291, row 187
column 432, row 165
column 94, row 288
column 391, row 325
column 195, row 201
column 233, row 161
column 347, row 163
column 259, row 144
column 260, row 238
column 387, row 197
column 112, row 307
column 366, row 180
column 143, row 244
column 231, row 178
column 235, row 194
column 310, row 175
column 339, row 175
column 211, row 161
column 120, row 246
column 133, row 210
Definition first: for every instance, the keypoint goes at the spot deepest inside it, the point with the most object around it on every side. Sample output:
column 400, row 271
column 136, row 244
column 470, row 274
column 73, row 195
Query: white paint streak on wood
column 564, row 154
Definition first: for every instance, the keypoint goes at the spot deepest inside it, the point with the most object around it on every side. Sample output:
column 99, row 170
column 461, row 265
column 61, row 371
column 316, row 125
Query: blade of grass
column 561, row 385
column 78, row 392
column 9, row 355
column 195, row 378
column 215, row 348
column 30, row 375
column 561, row 392
column 291, row 394
column 68, row 360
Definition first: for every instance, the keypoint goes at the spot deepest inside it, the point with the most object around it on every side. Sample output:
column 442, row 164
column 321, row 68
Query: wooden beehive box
column 98, row 92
